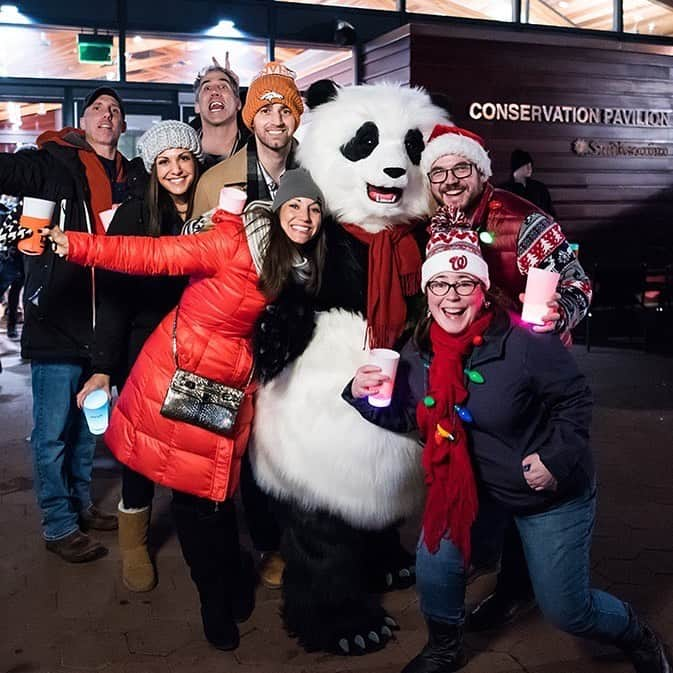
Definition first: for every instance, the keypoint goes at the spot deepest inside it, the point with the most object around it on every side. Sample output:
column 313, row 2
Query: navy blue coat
column 534, row 399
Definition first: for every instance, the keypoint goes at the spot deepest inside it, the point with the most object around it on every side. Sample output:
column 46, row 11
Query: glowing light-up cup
column 387, row 360
column 540, row 288
column 36, row 215
column 106, row 216
column 96, row 409
column 232, row 200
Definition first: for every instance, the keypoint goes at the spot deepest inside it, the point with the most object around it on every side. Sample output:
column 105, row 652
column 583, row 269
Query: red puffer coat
column 216, row 316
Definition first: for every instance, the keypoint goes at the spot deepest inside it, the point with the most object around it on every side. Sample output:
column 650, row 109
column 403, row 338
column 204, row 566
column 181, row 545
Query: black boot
column 645, row 650
column 243, row 594
column 443, row 653
column 205, row 533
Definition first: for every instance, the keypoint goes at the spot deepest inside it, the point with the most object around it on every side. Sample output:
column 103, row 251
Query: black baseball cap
column 103, row 91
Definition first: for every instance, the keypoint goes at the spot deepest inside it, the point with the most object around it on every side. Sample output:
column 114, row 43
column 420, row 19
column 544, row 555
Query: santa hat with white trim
column 446, row 139
column 453, row 247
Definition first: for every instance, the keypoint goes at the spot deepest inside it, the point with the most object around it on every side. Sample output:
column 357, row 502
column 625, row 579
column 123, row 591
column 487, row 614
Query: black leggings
column 137, row 490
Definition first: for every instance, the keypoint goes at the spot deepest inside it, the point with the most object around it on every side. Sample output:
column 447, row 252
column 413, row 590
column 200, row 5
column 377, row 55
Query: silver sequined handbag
column 200, row 401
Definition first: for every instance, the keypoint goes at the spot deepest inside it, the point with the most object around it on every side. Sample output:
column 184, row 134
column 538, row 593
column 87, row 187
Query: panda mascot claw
column 346, row 484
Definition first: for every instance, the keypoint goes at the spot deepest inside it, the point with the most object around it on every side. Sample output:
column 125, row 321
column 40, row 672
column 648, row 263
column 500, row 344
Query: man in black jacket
column 522, row 184
column 84, row 174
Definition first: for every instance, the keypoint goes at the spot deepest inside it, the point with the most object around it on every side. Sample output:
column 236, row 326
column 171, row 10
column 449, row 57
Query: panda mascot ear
column 322, row 91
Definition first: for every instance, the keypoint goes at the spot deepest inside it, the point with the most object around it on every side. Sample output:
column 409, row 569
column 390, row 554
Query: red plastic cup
column 540, row 288
column 36, row 215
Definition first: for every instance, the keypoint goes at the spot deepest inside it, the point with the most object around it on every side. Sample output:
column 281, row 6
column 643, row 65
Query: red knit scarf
column 394, row 273
column 451, row 504
column 99, row 184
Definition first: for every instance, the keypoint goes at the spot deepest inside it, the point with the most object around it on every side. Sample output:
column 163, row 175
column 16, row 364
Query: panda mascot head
column 363, row 148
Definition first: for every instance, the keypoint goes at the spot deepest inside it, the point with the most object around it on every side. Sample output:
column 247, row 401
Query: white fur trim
column 311, row 447
column 440, row 262
column 452, row 143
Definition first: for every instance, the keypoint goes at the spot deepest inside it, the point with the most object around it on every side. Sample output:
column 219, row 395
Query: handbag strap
column 174, row 342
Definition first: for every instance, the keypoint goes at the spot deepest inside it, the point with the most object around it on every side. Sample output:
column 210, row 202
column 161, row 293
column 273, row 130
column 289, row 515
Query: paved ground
column 59, row 618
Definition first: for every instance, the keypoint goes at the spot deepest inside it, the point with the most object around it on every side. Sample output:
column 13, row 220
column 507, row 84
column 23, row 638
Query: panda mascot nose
column 394, row 172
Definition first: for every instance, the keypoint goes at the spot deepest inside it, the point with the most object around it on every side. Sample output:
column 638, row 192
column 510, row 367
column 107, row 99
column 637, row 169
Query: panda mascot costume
column 346, row 484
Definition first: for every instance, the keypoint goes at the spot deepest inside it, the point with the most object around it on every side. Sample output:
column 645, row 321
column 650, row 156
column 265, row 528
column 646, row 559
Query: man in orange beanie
column 272, row 111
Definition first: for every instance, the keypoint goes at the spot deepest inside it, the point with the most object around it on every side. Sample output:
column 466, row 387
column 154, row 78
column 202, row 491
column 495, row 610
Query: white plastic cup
column 106, row 216
column 96, row 409
column 387, row 360
column 36, row 215
column 540, row 288
column 232, row 200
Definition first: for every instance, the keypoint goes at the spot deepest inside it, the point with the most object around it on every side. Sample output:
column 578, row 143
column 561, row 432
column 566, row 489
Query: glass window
column 648, row 18
column 27, row 51
column 588, row 14
column 497, row 10
column 177, row 60
column 21, row 123
column 367, row 4
column 313, row 64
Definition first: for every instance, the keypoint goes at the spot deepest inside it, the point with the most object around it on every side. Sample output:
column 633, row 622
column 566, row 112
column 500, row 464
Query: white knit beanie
column 167, row 135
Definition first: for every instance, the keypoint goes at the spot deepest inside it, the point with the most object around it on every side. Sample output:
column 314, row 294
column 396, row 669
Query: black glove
column 283, row 331
column 11, row 232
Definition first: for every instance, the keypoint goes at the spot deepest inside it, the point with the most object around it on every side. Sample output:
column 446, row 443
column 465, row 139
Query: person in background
column 522, row 184
column 235, row 268
column 272, row 112
column 485, row 391
column 129, row 310
column 217, row 102
column 84, row 174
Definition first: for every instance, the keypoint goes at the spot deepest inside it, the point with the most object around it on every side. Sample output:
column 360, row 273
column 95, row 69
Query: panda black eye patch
column 363, row 143
column 413, row 141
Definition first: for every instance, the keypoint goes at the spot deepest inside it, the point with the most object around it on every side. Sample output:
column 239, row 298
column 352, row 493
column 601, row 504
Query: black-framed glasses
column 464, row 288
column 459, row 171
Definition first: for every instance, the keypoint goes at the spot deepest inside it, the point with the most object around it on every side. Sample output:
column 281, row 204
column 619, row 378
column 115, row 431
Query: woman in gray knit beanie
column 170, row 151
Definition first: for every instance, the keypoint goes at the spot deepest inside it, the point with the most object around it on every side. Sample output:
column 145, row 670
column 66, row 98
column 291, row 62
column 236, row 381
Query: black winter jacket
column 58, row 295
column 131, row 307
column 534, row 399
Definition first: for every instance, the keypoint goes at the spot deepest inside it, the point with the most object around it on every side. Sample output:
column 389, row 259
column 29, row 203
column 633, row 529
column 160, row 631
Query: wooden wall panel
column 618, row 207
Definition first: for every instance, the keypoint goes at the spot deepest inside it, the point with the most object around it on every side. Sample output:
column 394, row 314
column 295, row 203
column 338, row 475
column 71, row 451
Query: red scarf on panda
column 394, row 272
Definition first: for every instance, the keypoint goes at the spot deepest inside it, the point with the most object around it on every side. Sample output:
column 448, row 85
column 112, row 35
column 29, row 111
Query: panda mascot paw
column 283, row 331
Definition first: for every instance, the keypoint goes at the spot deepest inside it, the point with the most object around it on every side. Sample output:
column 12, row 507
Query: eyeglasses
column 463, row 288
column 459, row 171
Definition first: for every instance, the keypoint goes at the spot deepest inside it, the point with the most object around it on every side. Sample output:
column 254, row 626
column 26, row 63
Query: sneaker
column 77, row 547
column 95, row 519
column 12, row 333
column 271, row 570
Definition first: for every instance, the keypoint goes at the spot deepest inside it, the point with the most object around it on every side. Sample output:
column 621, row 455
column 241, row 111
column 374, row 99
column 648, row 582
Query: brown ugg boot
column 137, row 569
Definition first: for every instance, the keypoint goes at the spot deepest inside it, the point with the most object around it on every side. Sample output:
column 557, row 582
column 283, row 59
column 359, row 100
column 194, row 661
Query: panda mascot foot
column 390, row 565
column 372, row 636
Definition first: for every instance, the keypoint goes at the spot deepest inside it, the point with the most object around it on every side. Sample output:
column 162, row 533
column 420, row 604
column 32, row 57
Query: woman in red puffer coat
column 234, row 267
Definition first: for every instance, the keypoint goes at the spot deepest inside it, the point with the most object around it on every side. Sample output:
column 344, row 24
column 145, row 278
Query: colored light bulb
column 474, row 376
column 429, row 401
column 464, row 414
column 486, row 237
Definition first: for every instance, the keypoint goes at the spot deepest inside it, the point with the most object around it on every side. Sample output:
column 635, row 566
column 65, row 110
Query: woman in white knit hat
column 130, row 308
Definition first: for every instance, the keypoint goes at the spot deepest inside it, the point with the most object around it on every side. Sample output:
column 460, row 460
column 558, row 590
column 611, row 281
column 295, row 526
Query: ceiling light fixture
column 224, row 28
column 11, row 14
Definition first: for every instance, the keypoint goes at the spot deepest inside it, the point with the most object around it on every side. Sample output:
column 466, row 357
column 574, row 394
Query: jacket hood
column 66, row 137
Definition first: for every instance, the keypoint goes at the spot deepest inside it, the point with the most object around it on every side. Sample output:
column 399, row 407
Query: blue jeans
column 62, row 447
column 557, row 544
